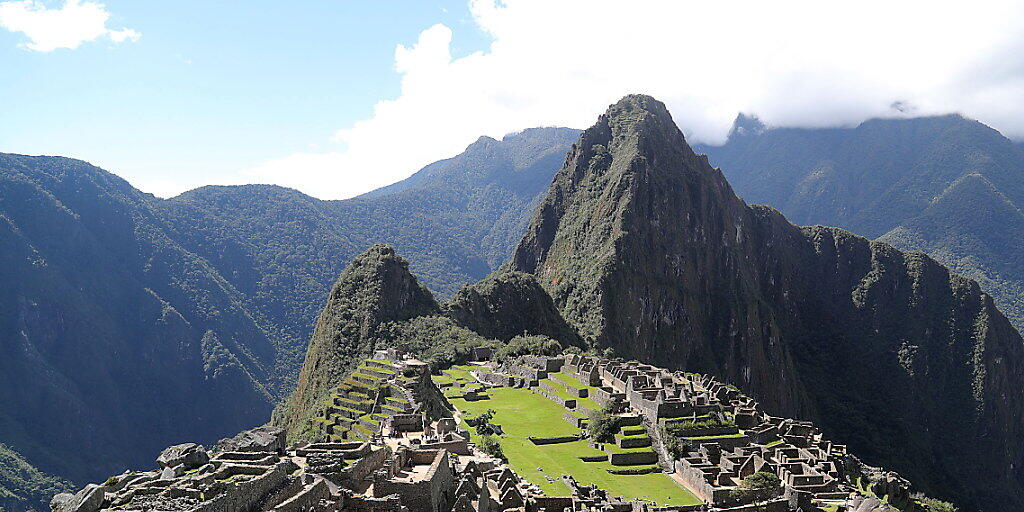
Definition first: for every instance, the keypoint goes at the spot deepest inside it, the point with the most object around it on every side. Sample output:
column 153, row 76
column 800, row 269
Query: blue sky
column 337, row 97
column 212, row 87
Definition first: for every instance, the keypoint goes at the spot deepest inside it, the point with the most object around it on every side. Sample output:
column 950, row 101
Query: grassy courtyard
column 522, row 413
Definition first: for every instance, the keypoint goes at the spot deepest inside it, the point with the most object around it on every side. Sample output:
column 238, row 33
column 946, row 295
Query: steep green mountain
column 376, row 288
column 644, row 247
column 113, row 338
column 24, row 488
column 889, row 176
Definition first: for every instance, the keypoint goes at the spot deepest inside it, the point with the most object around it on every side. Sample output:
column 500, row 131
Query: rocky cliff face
column 645, row 248
column 907, row 181
column 506, row 304
column 374, row 289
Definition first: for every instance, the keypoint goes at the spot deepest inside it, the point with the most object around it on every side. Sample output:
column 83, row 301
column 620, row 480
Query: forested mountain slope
column 114, row 338
column 644, row 248
column 128, row 322
column 889, row 178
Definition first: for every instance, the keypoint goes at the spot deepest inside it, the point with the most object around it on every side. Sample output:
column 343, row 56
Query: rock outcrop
column 644, row 248
column 189, row 455
column 261, row 439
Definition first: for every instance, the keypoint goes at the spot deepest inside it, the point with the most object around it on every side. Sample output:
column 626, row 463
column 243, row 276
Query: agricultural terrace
column 522, row 413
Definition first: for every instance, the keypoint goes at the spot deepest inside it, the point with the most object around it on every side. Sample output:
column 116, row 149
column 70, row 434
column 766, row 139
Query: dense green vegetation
column 118, row 340
column 602, row 425
column 948, row 186
column 758, row 487
column 523, row 345
column 375, row 289
column 24, row 488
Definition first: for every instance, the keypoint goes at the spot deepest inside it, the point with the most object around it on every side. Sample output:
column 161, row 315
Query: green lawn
column 557, row 380
column 522, row 413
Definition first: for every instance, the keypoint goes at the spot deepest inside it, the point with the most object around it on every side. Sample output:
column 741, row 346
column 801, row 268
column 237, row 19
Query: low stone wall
column 549, row 504
column 727, row 443
column 646, row 470
column 548, row 364
column 360, row 469
column 678, row 508
column 460, row 447
column 634, row 442
column 705, row 431
column 553, row 440
column 779, row 505
column 574, row 420
column 247, row 495
column 568, row 403
column 630, row 421
column 306, row 499
column 633, row 458
column 501, row 379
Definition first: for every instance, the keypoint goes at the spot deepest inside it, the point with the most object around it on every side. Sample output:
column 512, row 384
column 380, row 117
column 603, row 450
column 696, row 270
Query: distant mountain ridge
column 128, row 322
column 887, row 179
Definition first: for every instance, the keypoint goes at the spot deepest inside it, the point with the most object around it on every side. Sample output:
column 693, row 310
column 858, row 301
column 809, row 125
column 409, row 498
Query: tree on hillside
column 758, row 487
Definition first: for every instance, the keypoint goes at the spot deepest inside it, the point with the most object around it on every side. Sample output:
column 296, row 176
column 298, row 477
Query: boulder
column 89, row 499
column 870, row 504
column 189, row 455
column 260, row 439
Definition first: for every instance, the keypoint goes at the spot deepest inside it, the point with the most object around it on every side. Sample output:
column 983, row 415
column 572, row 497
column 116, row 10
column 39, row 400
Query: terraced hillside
column 375, row 391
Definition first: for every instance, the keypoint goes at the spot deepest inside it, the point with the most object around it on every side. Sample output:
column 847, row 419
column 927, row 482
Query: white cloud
column 69, row 26
column 794, row 63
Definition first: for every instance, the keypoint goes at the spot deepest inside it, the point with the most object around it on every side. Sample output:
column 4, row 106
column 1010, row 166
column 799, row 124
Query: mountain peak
column 644, row 248
column 375, row 288
column 745, row 125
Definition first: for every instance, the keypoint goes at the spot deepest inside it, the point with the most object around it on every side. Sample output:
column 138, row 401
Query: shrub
column 491, row 446
column 675, row 446
column 758, row 487
column 934, row 505
column 677, row 428
column 484, row 427
column 532, row 345
column 602, row 425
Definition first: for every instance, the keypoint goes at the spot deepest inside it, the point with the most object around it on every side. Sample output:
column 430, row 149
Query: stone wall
column 361, row 469
column 247, row 495
column 553, row 440
column 633, row 458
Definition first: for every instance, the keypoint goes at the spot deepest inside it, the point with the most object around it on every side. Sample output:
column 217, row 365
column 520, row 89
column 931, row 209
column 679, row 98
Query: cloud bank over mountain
column 794, row 63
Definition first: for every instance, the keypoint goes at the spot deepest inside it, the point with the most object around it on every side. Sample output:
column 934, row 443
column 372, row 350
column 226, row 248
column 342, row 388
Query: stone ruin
column 404, row 459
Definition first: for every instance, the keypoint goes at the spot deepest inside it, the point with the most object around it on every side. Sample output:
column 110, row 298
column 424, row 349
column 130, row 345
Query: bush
column 602, row 425
column 685, row 426
column 484, row 427
column 491, row 446
column 675, row 446
column 758, row 487
column 934, row 505
column 528, row 345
